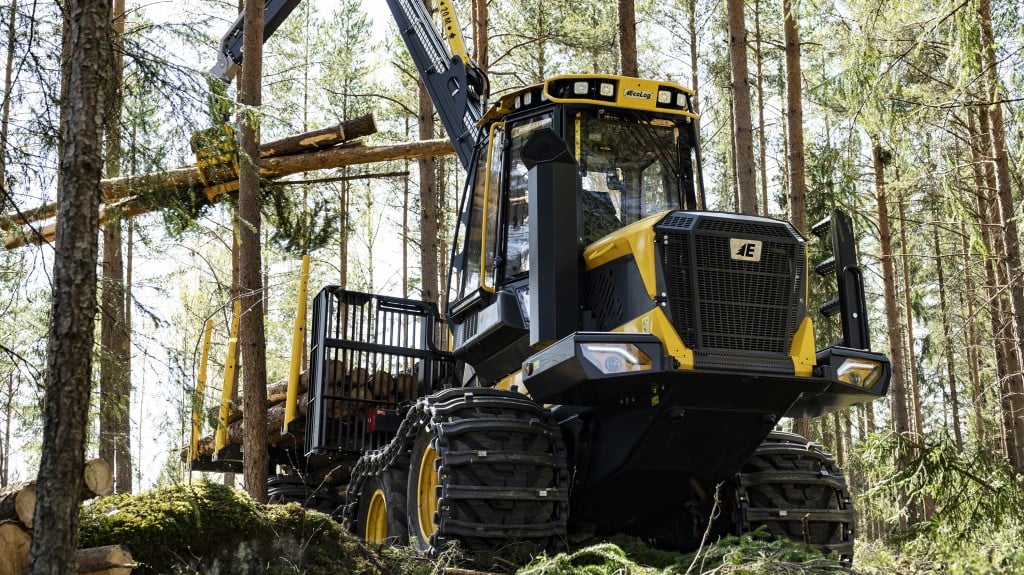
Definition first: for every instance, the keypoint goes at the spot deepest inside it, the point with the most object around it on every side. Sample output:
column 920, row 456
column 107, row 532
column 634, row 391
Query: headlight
column 616, row 357
column 860, row 372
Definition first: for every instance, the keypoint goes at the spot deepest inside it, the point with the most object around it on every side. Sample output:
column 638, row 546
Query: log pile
column 348, row 393
column 17, row 509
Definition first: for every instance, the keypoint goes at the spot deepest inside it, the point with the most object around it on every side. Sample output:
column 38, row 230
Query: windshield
column 629, row 169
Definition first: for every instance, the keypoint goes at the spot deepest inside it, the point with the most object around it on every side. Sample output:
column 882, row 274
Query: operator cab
column 634, row 143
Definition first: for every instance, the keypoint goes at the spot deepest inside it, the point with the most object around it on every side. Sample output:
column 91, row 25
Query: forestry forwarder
column 619, row 357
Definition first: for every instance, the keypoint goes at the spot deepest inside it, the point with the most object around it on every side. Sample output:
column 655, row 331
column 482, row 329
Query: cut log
column 111, row 559
column 122, row 191
column 99, row 478
column 319, row 139
column 18, row 503
column 14, row 543
column 275, row 419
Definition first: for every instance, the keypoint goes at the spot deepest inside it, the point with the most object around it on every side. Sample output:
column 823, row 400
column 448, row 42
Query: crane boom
column 455, row 84
column 229, row 54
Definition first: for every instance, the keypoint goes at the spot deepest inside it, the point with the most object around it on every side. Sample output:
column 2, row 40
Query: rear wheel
column 796, row 490
column 381, row 515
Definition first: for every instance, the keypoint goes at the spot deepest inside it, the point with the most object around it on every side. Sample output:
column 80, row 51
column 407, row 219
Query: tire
column 488, row 470
column 796, row 490
column 381, row 514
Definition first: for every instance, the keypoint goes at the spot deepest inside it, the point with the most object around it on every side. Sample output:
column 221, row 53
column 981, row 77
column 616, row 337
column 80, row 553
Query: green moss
column 210, row 528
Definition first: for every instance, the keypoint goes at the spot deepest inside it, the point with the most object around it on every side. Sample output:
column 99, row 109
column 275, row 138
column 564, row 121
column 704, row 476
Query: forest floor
column 212, row 529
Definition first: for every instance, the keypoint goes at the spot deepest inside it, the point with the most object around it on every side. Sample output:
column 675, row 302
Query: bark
column 915, row 384
column 972, row 342
column 428, row 198
column 480, row 34
column 901, row 418
column 1008, row 221
column 627, row 39
column 73, row 309
column 5, row 113
column 795, row 122
column 947, row 337
column 761, row 139
column 691, row 20
column 743, row 141
column 251, row 335
column 18, row 503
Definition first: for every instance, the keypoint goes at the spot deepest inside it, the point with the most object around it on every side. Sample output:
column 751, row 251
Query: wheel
column 796, row 490
column 487, row 470
column 381, row 514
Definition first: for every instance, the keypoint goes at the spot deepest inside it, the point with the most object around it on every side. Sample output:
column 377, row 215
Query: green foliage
column 751, row 553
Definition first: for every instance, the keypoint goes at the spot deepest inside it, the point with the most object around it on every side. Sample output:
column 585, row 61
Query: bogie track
column 796, row 490
column 485, row 468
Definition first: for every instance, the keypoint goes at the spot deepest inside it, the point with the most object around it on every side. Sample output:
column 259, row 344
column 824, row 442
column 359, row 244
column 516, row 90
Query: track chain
column 796, row 490
column 503, row 475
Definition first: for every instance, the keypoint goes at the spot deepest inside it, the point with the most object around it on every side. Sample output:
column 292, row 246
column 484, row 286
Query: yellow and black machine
column 619, row 357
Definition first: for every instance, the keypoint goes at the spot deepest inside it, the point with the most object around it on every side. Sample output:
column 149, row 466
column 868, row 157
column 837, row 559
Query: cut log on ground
column 14, row 543
column 109, row 559
column 99, row 478
column 18, row 503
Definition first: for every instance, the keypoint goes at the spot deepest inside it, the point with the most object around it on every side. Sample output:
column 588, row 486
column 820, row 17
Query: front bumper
column 604, row 369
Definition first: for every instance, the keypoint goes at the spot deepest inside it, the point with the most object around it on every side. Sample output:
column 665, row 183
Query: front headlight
column 616, row 357
column 860, row 372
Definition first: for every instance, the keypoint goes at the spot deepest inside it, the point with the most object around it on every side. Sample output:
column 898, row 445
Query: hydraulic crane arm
column 229, row 56
column 456, row 85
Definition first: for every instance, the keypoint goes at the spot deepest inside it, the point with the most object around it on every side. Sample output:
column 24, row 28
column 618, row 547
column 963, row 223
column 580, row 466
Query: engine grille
column 726, row 307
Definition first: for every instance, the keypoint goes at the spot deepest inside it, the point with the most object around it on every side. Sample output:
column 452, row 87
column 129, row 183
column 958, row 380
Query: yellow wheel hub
column 377, row 519
column 426, row 489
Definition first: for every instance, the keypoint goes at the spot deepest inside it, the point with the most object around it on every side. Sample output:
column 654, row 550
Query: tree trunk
column 428, row 198
column 85, row 73
column 18, row 503
column 795, row 122
column 900, row 416
column 480, row 34
column 761, row 138
column 1008, row 220
column 251, row 335
column 915, row 391
column 627, row 39
column 110, row 559
column 743, row 141
column 947, row 338
column 14, row 549
column 5, row 113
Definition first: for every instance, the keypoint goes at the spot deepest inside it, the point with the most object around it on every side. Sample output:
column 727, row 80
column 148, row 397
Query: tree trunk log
column 112, row 559
column 14, row 543
column 319, row 139
column 18, row 503
column 99, row 478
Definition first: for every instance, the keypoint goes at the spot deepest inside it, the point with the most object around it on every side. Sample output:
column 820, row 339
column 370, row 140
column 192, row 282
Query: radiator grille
column 719, row 304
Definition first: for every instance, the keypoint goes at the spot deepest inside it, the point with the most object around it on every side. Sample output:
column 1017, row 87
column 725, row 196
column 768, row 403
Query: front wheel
column 487, row 469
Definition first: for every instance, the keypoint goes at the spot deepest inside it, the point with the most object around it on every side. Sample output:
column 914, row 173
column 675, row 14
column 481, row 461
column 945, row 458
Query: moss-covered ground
column 208, row 528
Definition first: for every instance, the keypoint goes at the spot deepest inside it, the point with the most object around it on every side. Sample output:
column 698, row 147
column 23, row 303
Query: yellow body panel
column 802, row 349
column 197, row 400
column 221, row 438
column 636, row 239
column 656, row 323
